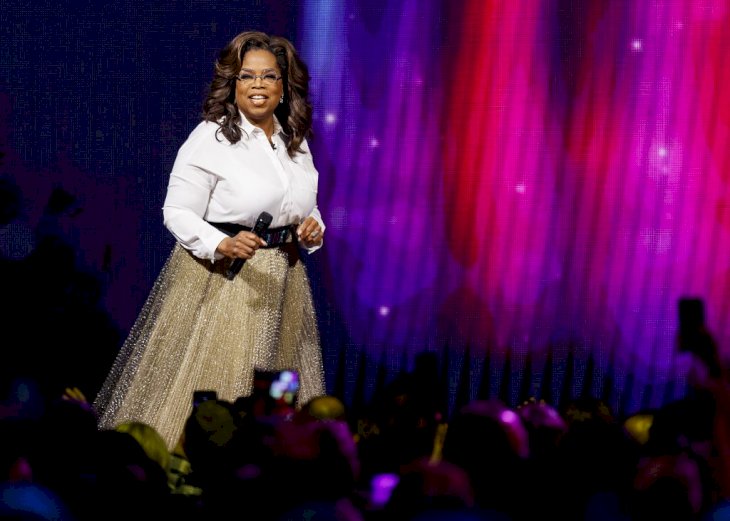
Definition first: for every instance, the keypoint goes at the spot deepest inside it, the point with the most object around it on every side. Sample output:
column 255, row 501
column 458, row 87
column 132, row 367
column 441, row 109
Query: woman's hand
column 310, row 233
column 241, row 246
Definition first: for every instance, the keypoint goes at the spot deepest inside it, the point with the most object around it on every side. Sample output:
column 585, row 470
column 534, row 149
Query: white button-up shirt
column 215, row 181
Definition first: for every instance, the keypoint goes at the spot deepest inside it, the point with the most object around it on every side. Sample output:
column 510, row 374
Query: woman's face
column 259, row 87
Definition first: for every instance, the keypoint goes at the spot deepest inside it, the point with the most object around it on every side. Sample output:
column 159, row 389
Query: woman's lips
column 258, row 99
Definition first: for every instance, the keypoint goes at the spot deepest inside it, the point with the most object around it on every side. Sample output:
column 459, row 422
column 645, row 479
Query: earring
column 281, row 100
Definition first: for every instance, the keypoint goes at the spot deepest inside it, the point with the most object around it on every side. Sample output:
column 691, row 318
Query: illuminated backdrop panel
column 524, row 177
column 523, row 188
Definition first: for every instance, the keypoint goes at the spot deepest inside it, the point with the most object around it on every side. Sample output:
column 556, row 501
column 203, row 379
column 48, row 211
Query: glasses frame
column 253, row 77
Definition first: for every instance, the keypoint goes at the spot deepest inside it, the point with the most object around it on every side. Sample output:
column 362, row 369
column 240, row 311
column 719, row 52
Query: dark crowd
column 398, row 458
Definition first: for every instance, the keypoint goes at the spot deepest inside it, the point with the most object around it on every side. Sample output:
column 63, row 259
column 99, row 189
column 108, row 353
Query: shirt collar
column 249, row 127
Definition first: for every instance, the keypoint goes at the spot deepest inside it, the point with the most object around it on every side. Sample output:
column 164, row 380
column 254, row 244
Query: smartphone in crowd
column 694, row 336
column 275, row 391
column 200, row 396
column 691, row 322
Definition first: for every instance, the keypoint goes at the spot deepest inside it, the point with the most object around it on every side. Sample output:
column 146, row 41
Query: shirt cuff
column 315, row 248
column 210, row 241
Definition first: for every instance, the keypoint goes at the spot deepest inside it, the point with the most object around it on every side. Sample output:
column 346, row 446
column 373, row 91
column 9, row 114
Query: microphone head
column 262, row 223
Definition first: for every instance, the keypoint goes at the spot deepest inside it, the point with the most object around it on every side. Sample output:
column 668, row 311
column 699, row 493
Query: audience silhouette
column 487, row 461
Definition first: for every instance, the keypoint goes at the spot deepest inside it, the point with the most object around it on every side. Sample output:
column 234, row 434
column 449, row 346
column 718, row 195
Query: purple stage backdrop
column 520, row 182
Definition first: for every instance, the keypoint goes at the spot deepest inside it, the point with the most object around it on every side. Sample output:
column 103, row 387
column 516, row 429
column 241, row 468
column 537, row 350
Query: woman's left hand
column 310, row 233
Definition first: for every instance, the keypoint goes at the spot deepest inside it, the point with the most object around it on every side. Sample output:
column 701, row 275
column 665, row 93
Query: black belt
column 273, row 236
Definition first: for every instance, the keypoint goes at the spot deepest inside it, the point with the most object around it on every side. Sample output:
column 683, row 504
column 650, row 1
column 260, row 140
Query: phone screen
column 203, row 395
column 691, row 321
column 284, row 387
column 275, row 390
column 691, row 314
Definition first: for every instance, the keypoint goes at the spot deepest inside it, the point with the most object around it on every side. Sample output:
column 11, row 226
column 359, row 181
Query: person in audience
column 128, row 483
column 489, row 441
column 150, row 440
column 597, row 461
column 323, row 408
column 545, row 429
column 404, row 418
column 668, row 487
column 428, row 488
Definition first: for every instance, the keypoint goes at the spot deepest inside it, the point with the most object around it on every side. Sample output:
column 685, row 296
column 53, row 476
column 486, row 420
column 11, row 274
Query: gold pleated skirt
column 200, row 331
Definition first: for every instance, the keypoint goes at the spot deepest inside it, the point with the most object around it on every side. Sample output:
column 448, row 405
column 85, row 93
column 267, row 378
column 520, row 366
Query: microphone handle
column 262, row 224
column 234, row 268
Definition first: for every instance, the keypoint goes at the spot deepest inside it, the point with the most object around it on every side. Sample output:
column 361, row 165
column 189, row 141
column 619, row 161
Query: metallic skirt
column 200, row 331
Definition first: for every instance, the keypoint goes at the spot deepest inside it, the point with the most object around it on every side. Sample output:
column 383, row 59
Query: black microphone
column 262, row 224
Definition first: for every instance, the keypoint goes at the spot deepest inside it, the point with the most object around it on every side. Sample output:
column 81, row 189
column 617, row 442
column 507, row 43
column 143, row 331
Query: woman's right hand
column 241, row 246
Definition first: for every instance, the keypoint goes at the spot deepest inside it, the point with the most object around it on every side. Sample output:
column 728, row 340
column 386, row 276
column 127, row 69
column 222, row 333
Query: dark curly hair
column 295, row 114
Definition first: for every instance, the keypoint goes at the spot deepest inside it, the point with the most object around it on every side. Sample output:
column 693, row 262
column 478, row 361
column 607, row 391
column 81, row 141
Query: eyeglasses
column 268, row 78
